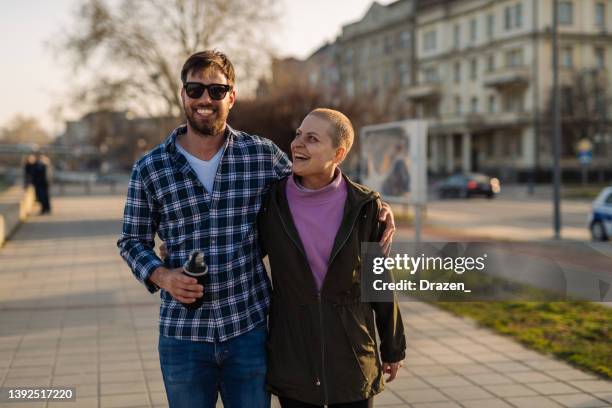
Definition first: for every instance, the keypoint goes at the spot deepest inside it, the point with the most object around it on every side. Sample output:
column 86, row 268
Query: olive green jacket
column 322, row 346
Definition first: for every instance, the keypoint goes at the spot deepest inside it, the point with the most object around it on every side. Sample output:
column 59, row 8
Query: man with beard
column 202, row 189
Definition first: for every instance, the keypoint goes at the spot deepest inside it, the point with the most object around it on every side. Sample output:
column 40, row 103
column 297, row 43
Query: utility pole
column 556, row 123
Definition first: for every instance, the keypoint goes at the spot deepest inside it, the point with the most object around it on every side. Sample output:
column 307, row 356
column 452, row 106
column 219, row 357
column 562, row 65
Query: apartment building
column 484, row 80
column 374, row 56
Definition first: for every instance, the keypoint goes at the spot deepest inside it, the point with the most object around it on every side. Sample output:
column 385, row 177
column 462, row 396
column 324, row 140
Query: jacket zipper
column 318, row 380
column 325, row 397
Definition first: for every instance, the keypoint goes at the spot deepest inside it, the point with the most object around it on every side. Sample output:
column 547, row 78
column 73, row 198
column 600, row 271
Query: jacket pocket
column 361, row 340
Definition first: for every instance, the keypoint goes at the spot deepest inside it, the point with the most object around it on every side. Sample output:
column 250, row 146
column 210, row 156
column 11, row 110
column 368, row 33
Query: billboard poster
column 394, row 160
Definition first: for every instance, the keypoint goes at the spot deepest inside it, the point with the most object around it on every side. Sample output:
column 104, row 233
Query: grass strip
column 577, row 332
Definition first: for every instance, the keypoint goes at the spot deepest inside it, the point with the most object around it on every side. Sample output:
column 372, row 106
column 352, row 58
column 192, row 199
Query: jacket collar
column 357, row 197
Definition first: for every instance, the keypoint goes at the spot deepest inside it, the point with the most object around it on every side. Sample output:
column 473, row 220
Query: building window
column 567, row 57
column 404, row 73
column 473, row 30
column 474, row 104
column 349, row 86
column 457, row 35
column 600, row 57
column 566, row 12
column 405, row 39
column 348, row 57
column 515, row 102
column 492, row 101
column 474, row 69
column 429, row 40
column 491, row 25
column 518, row 15
column 491, row 63
column 430, row 75
column 388, row 46
column 514, row 58
column 600, row 15
column 457, row 72
column 513, row 16
column 458, row 108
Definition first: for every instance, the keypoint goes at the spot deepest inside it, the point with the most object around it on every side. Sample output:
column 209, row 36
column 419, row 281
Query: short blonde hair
column 342, row 132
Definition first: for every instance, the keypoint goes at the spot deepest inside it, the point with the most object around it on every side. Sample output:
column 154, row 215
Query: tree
column 277, row 115
column 135, row 49
column 23, row 129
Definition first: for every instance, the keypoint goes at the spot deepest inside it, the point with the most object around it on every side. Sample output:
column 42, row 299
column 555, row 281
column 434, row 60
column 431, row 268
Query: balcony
column 430, row 90
column 509, row 77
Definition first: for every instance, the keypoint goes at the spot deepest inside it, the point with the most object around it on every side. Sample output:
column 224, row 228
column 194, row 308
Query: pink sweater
column 317, row 215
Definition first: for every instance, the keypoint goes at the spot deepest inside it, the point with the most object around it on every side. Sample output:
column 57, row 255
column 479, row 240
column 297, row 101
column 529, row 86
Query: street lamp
column 556, row 123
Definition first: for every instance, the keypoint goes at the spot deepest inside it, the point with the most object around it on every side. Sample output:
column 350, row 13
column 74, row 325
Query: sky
column 33, row 79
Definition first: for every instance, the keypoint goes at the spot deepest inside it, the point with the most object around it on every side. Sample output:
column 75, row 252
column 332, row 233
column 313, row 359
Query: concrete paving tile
column 420, row 361
column 593, row 385
column 533, row 402
column 455, row 358
column 489, row 379
column 579, row 401
column 548, row 365
column 157, row 385
column 433, row 370
column 85, row 402
column 605, row 396
column 37, row 371
column 159, row 398
column 407, row 383
column 75, row 379
column 422, row 395
column 571, row 374
column 43, row 381
column 387, row 397
column 552, row 388
column 508, row 367
column 510, row 390
column 446, row 404
column 114, row 366
column 529, row 377
column 466, row 393
column 86, row 390
column 486, row 403
column 472, row 368
column 124, row 401
column 121, row 376
column 446, row 381
column 132, row 387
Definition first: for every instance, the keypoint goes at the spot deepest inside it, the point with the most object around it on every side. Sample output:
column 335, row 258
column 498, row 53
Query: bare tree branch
column 146, row 41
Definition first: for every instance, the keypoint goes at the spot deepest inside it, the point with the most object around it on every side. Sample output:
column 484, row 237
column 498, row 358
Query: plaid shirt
column 166, row 197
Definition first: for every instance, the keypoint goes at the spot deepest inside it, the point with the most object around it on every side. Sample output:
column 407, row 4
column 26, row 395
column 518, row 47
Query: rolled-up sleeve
column 140, row 223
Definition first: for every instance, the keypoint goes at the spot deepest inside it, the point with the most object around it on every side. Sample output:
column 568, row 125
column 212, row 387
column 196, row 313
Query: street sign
column 585, row 152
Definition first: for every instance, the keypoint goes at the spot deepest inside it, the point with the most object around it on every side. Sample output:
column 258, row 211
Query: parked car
column 600, row 217
column 468, row 185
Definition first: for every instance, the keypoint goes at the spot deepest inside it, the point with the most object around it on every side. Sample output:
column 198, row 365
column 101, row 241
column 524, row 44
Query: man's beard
column 205, row 128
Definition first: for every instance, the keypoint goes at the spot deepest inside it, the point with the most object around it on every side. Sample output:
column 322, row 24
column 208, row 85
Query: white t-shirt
column 205, row 170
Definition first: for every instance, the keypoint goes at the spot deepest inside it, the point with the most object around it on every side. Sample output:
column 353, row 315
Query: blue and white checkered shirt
column 166, row 197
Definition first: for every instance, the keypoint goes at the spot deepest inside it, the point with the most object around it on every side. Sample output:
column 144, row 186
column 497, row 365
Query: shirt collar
column 170, row 143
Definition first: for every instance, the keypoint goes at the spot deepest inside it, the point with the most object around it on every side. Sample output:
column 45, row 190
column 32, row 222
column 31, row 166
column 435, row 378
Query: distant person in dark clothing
column 36, row 174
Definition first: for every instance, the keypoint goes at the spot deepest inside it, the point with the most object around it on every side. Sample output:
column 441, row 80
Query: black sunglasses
column 216, row 92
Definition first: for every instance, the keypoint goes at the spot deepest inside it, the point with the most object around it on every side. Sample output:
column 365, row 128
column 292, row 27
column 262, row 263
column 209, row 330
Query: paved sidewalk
column 71, row 314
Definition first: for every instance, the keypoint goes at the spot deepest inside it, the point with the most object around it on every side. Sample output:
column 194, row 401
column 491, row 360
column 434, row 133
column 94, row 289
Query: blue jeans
column 194, row 372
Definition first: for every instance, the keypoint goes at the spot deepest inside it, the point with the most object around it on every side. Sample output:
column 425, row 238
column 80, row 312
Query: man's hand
column 391, row 369
column 163, row 251
column 386, row 216
column 182, row 287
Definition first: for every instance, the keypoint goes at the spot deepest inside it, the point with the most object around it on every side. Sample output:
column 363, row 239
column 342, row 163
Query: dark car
column 468, row 185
